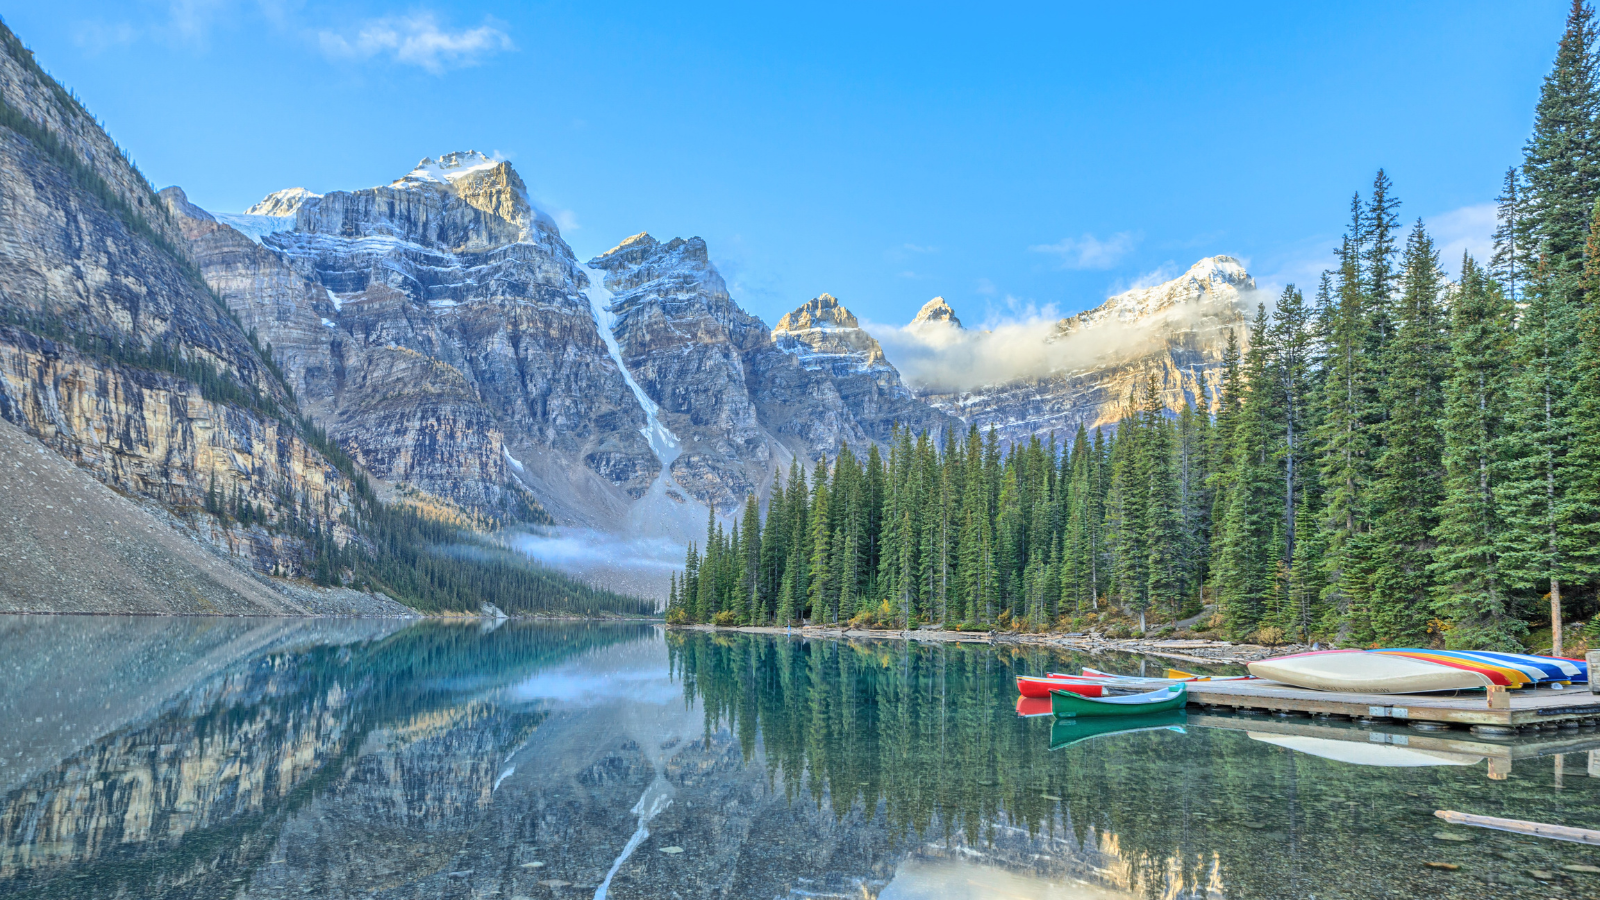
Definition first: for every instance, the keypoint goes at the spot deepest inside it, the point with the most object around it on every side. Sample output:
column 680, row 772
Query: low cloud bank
column 632, row 565
column 937, row 357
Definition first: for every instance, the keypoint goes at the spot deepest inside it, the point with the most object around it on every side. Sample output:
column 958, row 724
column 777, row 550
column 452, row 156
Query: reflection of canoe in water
column 1066, row 732
column 1041, row 687
column 1404, row 671
column 1065, row 704
column 1362, row 753
column 1028, row 707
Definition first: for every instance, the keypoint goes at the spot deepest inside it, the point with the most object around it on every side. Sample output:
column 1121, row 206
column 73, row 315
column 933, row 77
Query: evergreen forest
column 1390, row 457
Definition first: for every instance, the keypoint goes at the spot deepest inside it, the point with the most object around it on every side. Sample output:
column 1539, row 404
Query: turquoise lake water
column 256, row 758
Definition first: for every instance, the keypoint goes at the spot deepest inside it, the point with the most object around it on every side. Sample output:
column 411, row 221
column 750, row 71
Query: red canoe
column 1041, row 687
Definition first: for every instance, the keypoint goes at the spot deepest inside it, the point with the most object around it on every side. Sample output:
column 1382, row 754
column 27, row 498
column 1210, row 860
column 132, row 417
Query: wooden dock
column 1529, row 707
column 1449, row 747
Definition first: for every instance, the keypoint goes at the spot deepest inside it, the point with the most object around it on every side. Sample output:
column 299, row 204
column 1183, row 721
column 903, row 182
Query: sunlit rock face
column 114, row 355
column 825, row 337
column 741, row 407
column 1175, row 332
column 437, row 327
column 936, row 311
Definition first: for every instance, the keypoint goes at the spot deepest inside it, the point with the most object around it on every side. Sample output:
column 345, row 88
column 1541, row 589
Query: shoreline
column 1207, row 652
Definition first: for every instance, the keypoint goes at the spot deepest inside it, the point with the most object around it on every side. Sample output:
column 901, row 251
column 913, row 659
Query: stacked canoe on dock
column 1412, row 671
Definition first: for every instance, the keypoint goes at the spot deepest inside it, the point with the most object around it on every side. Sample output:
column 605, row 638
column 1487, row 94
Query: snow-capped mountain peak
column 282, row 203
column 936, row 311
column 821, row 333
column 820, row 312
column 450, row 167
column 1213, row 280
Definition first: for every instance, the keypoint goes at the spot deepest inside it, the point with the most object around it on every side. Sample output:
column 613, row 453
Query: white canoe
column 1362, row 672
column 1402, row 670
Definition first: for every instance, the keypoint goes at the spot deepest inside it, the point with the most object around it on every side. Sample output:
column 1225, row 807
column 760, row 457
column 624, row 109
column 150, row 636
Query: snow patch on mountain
column 662, row 441
column 449, row 168
column 282, row 203
column 256, row 227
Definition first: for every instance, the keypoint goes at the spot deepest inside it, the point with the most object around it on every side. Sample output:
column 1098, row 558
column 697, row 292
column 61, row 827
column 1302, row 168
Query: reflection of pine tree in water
column 926, row 731
column 201, row 794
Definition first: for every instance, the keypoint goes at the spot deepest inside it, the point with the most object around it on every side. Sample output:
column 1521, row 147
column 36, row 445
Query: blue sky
column 1012, row 159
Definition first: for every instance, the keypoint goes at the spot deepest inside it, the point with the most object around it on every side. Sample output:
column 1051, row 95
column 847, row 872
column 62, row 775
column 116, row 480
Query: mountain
column 1175, row 331
column 823, row 336
column 740, row 398
column 936, row 312
column 446, row 336
column 146, row 424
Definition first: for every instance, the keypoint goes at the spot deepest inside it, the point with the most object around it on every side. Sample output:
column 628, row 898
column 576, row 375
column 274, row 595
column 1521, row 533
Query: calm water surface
column 229, row 758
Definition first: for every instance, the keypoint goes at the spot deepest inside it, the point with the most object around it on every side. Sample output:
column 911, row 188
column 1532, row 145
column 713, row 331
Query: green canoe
column 1065, row 704
column 1066, row 732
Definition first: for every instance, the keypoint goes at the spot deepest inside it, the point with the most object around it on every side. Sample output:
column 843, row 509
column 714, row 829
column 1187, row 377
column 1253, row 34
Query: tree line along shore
column 1391, row 458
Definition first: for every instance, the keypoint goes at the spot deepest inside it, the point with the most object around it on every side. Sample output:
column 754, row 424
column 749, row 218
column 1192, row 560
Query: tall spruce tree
column 1247, row 565
column 1469, row 593
column 1561, row 161
column 1409, row 477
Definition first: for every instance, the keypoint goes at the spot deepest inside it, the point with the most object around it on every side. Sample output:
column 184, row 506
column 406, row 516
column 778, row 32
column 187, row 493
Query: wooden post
column 1561, row 764
column 1499, row 697
column 1594, row 763
column 1499, row 769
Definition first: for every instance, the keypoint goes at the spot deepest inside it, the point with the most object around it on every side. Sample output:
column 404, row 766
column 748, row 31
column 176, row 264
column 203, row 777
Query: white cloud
column 417, row 40
column 1468, row 229
column 1022, row 341
column 1090, row 252
column 1159, row 275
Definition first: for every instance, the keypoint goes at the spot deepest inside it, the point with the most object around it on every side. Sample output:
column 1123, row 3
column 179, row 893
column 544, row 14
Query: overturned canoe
column 1409, row 671
column 1041, row 687
column 1065, row 704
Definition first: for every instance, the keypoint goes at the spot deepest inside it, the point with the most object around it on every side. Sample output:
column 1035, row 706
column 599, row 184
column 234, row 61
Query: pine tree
column 820, row 544
column 749, row 607
column 1510, row 235
column 1379, row 249
column 1344, row 467
column 1163, row 512
column 1561, row 161
column 1468, row 591
column 1248, row 562
column 1408, row 483
column 1293, row 380
column 1542, row 535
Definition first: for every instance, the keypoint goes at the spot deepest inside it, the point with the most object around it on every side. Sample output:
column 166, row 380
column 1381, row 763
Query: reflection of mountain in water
column 362, row 760
column 228, row 770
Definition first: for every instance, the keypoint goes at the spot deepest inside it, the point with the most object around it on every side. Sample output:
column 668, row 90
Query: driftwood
column 1518, row 826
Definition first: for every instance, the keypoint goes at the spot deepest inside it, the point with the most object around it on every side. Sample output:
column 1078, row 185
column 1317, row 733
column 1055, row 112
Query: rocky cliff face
column 437, row 328
column 1175, row 331
column 739, row 407
column 113, row 352
column 825, row 337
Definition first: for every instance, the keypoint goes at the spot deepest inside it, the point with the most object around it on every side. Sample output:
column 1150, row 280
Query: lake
column 279, row 758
